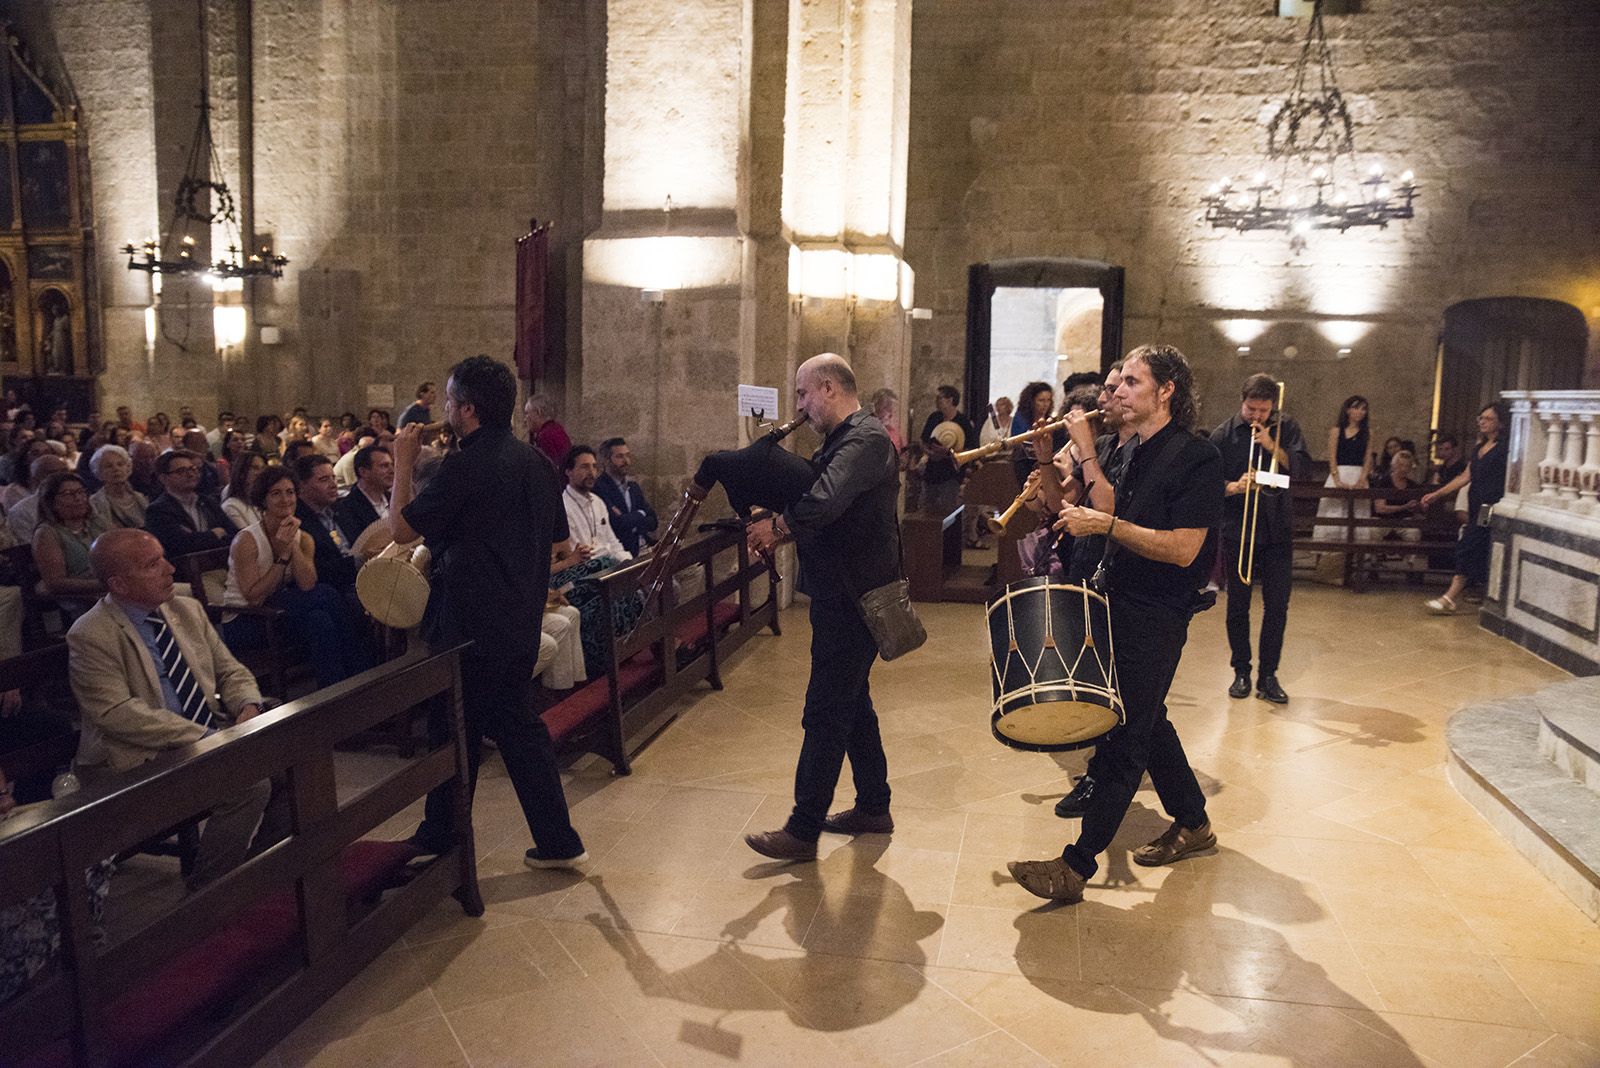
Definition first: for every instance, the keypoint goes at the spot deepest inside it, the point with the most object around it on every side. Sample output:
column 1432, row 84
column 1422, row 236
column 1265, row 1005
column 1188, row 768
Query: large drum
column 393, row 586
column 1055, row 684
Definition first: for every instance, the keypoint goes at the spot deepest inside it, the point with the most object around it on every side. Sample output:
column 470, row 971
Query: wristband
column 1111, row 528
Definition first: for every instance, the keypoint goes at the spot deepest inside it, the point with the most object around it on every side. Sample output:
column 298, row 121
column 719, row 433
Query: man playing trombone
column 1258, row 528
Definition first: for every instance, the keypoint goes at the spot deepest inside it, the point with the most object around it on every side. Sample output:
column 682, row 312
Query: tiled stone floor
column 1357, row 912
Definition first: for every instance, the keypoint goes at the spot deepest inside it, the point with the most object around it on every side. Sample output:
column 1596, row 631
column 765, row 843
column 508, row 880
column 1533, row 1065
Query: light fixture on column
column 200, row 203
column 1311, row 179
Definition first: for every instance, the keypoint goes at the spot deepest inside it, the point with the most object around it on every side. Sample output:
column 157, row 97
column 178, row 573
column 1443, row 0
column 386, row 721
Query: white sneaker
column 534, row 858
column 1441, row 606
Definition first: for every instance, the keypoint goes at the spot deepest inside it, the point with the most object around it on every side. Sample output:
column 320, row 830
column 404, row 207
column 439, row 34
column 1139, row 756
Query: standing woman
column 1349, row 467
column 116, row 502
column 1485, row 480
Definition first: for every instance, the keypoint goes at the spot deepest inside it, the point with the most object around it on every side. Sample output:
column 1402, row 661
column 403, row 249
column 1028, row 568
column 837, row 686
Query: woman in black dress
column 1485, row 480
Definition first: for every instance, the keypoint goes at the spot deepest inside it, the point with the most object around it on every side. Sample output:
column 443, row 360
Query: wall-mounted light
column 1243, row 350
column 1242, row 331
column 922, row 313
column 228, row 323
column 1344, row 353
column 1343, row 332
column 150, row 329
column 271, row 335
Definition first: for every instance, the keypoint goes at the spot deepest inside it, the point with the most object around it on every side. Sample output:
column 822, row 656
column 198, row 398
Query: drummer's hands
column 1081, row 521
column 761, row 537
column 1081, row 431
column 407, row 445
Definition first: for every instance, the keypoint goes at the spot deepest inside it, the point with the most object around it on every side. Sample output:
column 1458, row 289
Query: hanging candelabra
column 1311, row 180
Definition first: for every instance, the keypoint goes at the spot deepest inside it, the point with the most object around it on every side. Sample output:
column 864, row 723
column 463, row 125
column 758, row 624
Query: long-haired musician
column 1249, row 441
column 845, row 528
column 1170, row 495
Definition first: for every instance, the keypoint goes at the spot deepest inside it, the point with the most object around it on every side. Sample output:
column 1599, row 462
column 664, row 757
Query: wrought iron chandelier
column 1312, row 180
column 202, row 202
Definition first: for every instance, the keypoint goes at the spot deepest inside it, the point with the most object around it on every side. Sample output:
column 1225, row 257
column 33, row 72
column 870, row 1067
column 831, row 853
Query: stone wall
column 1091, row 129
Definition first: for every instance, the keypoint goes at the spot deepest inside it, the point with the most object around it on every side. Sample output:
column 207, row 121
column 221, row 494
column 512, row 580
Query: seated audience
column 885, row 407
column 588, row 518
column 319, row 492
column 232, row 446
column 326, row 439
column 368, row 500
column 116, row 502
column 22, row 484
column 293, row 450
column 344, row 469
column 182, row 519
column 997, row 421
column 144, row 477
column 67, row 527
column 561, row 665
column 544, row 431
column 378, row 421
column 211, row 477
column 236, row 496
column 15, row 460
column 215, row 436
column 158, row 432
column 273, row 563
column 631, row 515
column 267, row 444
column 298, row 428
column 151, row 674
column 23, row 517
column 1451, row 459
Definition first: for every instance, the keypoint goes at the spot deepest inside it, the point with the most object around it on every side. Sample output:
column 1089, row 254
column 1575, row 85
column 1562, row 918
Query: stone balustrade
column 1555, row 449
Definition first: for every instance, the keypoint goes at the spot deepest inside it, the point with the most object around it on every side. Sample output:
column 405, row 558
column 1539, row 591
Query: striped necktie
column 191, row 701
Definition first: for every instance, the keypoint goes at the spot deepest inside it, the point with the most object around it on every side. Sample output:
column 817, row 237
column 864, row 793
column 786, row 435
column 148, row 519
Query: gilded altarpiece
column 44, row 243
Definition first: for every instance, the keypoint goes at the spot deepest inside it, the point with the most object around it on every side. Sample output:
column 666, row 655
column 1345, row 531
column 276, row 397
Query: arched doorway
column 1502, row 343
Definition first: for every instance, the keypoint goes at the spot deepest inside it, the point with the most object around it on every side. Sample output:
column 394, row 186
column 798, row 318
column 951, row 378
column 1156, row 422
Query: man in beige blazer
column 131, row 706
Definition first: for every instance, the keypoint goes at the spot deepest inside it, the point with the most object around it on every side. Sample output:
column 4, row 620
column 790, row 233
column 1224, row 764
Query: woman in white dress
column 1349, row 467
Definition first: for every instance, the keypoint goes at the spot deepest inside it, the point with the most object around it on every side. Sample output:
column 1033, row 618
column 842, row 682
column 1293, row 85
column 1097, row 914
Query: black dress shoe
column 1076, row 803
column 1241, row 685
column 1267, row 689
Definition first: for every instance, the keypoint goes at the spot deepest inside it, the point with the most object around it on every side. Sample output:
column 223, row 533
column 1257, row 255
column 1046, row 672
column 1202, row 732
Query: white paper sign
column 758, row 401
column 1279, row 480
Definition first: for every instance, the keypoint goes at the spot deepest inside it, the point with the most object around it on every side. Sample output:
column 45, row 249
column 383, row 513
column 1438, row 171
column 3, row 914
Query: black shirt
column 944, row 469
column 847, row 525
column 1488, row 483
column 1112, row 460
column 489, row 516
column 1275, row 520
column 1184, row 494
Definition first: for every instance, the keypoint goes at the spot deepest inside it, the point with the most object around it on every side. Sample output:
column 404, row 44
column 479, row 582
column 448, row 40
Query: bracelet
column 1112, row 527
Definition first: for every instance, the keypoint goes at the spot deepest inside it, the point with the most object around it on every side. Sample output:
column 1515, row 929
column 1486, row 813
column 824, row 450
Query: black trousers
column 495, row 696
column 839, row 720
column 1273, row 575
column 1148, row 641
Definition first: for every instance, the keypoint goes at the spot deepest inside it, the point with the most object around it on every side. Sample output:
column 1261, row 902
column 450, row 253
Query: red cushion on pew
column 692, row 632
column 200, row 978
column 594, row 697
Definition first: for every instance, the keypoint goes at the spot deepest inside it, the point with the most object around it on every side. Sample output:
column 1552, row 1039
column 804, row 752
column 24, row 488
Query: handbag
column 894, row 624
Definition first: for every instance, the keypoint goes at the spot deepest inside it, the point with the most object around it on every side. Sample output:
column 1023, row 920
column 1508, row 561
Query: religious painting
column 46, row 185
column 51, row 262
column 54, row 318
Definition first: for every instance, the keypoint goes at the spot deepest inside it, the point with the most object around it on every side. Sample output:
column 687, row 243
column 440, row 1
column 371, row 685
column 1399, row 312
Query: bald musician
column 845, row 528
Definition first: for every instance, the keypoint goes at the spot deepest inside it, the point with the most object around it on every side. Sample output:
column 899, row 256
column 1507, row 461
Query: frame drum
column 393, row 586
column 1055, row 682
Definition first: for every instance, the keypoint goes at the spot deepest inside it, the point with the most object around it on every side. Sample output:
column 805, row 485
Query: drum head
column 1054, row 726
column 393, row 591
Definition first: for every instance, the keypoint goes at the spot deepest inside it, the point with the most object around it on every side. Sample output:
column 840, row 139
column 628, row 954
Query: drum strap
column 1130, row 510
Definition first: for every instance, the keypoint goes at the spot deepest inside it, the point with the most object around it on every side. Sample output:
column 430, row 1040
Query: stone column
column 844, row 191
column 683, row 295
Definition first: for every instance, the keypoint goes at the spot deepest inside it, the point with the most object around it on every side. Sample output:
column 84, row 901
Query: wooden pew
column 1360, row 557
column 676, row 646
column 221, row 976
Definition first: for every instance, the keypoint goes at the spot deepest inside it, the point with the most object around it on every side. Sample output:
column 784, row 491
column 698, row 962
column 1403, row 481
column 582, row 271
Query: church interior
column 265, row 235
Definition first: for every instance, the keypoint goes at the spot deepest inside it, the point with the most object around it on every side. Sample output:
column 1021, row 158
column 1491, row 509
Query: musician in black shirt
column 845, row 528
column 1169, row 497
column 490, row 516
column 1253, row 432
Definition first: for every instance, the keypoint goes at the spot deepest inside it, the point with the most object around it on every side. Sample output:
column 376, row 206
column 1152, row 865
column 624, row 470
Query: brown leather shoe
column 1052, row 879
column 854, row 821
column 1176, row 843
column 781, row 845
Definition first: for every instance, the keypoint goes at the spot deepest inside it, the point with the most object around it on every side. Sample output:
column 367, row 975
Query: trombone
column 1255, row 482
